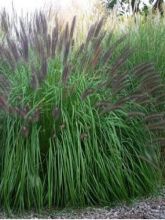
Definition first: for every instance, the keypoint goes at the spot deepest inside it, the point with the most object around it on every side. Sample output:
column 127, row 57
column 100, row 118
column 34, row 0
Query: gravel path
column 147, row 208
column 150, row 208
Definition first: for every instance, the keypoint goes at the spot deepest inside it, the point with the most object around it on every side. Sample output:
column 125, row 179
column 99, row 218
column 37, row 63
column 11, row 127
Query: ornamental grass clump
column 76, row 127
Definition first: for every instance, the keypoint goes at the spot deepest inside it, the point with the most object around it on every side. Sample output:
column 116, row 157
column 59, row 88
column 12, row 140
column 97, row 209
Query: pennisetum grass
column 76, row 129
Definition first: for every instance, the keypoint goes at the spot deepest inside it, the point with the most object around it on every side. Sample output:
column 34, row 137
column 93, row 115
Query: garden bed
column 152, row 207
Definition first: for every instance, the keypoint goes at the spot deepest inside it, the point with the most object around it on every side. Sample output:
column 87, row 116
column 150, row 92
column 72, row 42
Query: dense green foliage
column 148, row 43
column 76, row 127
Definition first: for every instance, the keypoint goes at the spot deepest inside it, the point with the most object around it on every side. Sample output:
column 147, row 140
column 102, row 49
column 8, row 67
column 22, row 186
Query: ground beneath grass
column 152, row 207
